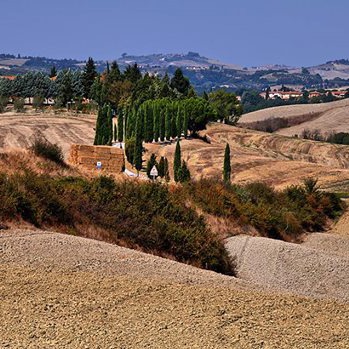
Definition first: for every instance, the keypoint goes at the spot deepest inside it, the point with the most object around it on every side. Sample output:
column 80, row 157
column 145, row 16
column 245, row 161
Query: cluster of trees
column 63, row 86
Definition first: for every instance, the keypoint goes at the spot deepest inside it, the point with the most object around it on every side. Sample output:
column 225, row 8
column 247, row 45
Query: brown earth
column 59, row 291
column 325, row 117
column 19, row 130
column 258, row 156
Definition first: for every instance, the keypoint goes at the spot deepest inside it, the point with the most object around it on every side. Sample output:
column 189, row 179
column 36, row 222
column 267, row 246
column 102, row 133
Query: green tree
column 184, row 173
column 156, row 116
column 166, row 171
column 3, row 103
column 179, row 122
column 177, row 162
column 185, row 123
column 130, row 145
column 138, row 146
column 226, row 106
column 121, row 125
column 161, row 167
column 227, row 165
column 168, row 123
column 115, row 133
column 150, row 164
column 53, row 72
column 89, row 76
column 180, row 83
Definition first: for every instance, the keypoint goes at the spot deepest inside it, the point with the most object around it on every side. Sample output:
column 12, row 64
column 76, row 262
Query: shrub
column 144, row 216
column 3, row 103
column 43, row 148
column 38, row 102
column 282, row 215
column 19, row 105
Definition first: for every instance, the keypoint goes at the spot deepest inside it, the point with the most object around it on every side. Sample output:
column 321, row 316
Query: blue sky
column 246, row 32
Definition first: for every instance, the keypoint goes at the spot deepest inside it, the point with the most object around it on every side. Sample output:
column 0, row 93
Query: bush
column 43, row 148
column 282, row 215
column 38, row 102
column 145, row 216
column 3, row 103
column 19, row 105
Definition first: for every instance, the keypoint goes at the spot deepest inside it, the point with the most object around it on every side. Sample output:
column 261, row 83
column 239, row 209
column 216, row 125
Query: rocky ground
column 60, row 291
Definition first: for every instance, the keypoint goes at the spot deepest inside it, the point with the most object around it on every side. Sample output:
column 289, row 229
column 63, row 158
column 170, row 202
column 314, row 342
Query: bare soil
column 59, row 291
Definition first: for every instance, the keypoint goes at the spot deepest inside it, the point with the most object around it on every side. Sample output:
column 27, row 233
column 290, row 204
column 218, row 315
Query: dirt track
column 59, row 291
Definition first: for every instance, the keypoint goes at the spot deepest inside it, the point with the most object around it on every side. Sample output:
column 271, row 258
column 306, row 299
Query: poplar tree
column 227, row 165
column 177, row 162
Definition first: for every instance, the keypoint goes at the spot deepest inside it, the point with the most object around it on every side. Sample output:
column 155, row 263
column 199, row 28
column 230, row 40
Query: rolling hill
column 325, row 117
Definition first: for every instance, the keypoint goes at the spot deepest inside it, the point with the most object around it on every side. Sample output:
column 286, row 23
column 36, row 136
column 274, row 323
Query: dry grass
column 326, row 117
column 19, row 131
column 257, row 156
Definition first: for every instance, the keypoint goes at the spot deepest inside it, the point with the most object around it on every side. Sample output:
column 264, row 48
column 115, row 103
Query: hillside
column 19, row 130
column 258, row 156
column 87, row 292
column 326, row 117
column 204, row 73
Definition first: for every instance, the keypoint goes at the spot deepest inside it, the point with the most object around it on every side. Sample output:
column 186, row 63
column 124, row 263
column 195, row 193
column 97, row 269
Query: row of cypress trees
column 104, row 126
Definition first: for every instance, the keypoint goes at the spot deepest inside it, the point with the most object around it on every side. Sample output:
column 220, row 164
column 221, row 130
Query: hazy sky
column 246, row 32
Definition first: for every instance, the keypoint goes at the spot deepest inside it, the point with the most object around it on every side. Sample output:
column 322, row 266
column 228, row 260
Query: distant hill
column 206, row 74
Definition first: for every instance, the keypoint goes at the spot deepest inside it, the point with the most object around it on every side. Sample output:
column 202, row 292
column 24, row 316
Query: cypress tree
column 148, row 122
column 99, row 123
column 174, row 108
column 104, row 126
column 115, row 133
column 177, row 162
column 184, row 173
column 109, row 126
column 185, row 122
column 168, row 123
column 162, row 125
column 161, row 167
column 156, row 118
column 166, row 171
column 150, row 164
column 227, row 165
column 89, row 76
column 138, row 146
column 179, row 123
column 120, row 132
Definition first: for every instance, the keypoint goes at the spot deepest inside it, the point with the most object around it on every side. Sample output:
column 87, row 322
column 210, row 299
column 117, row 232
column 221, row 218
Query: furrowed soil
column 60, row 291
